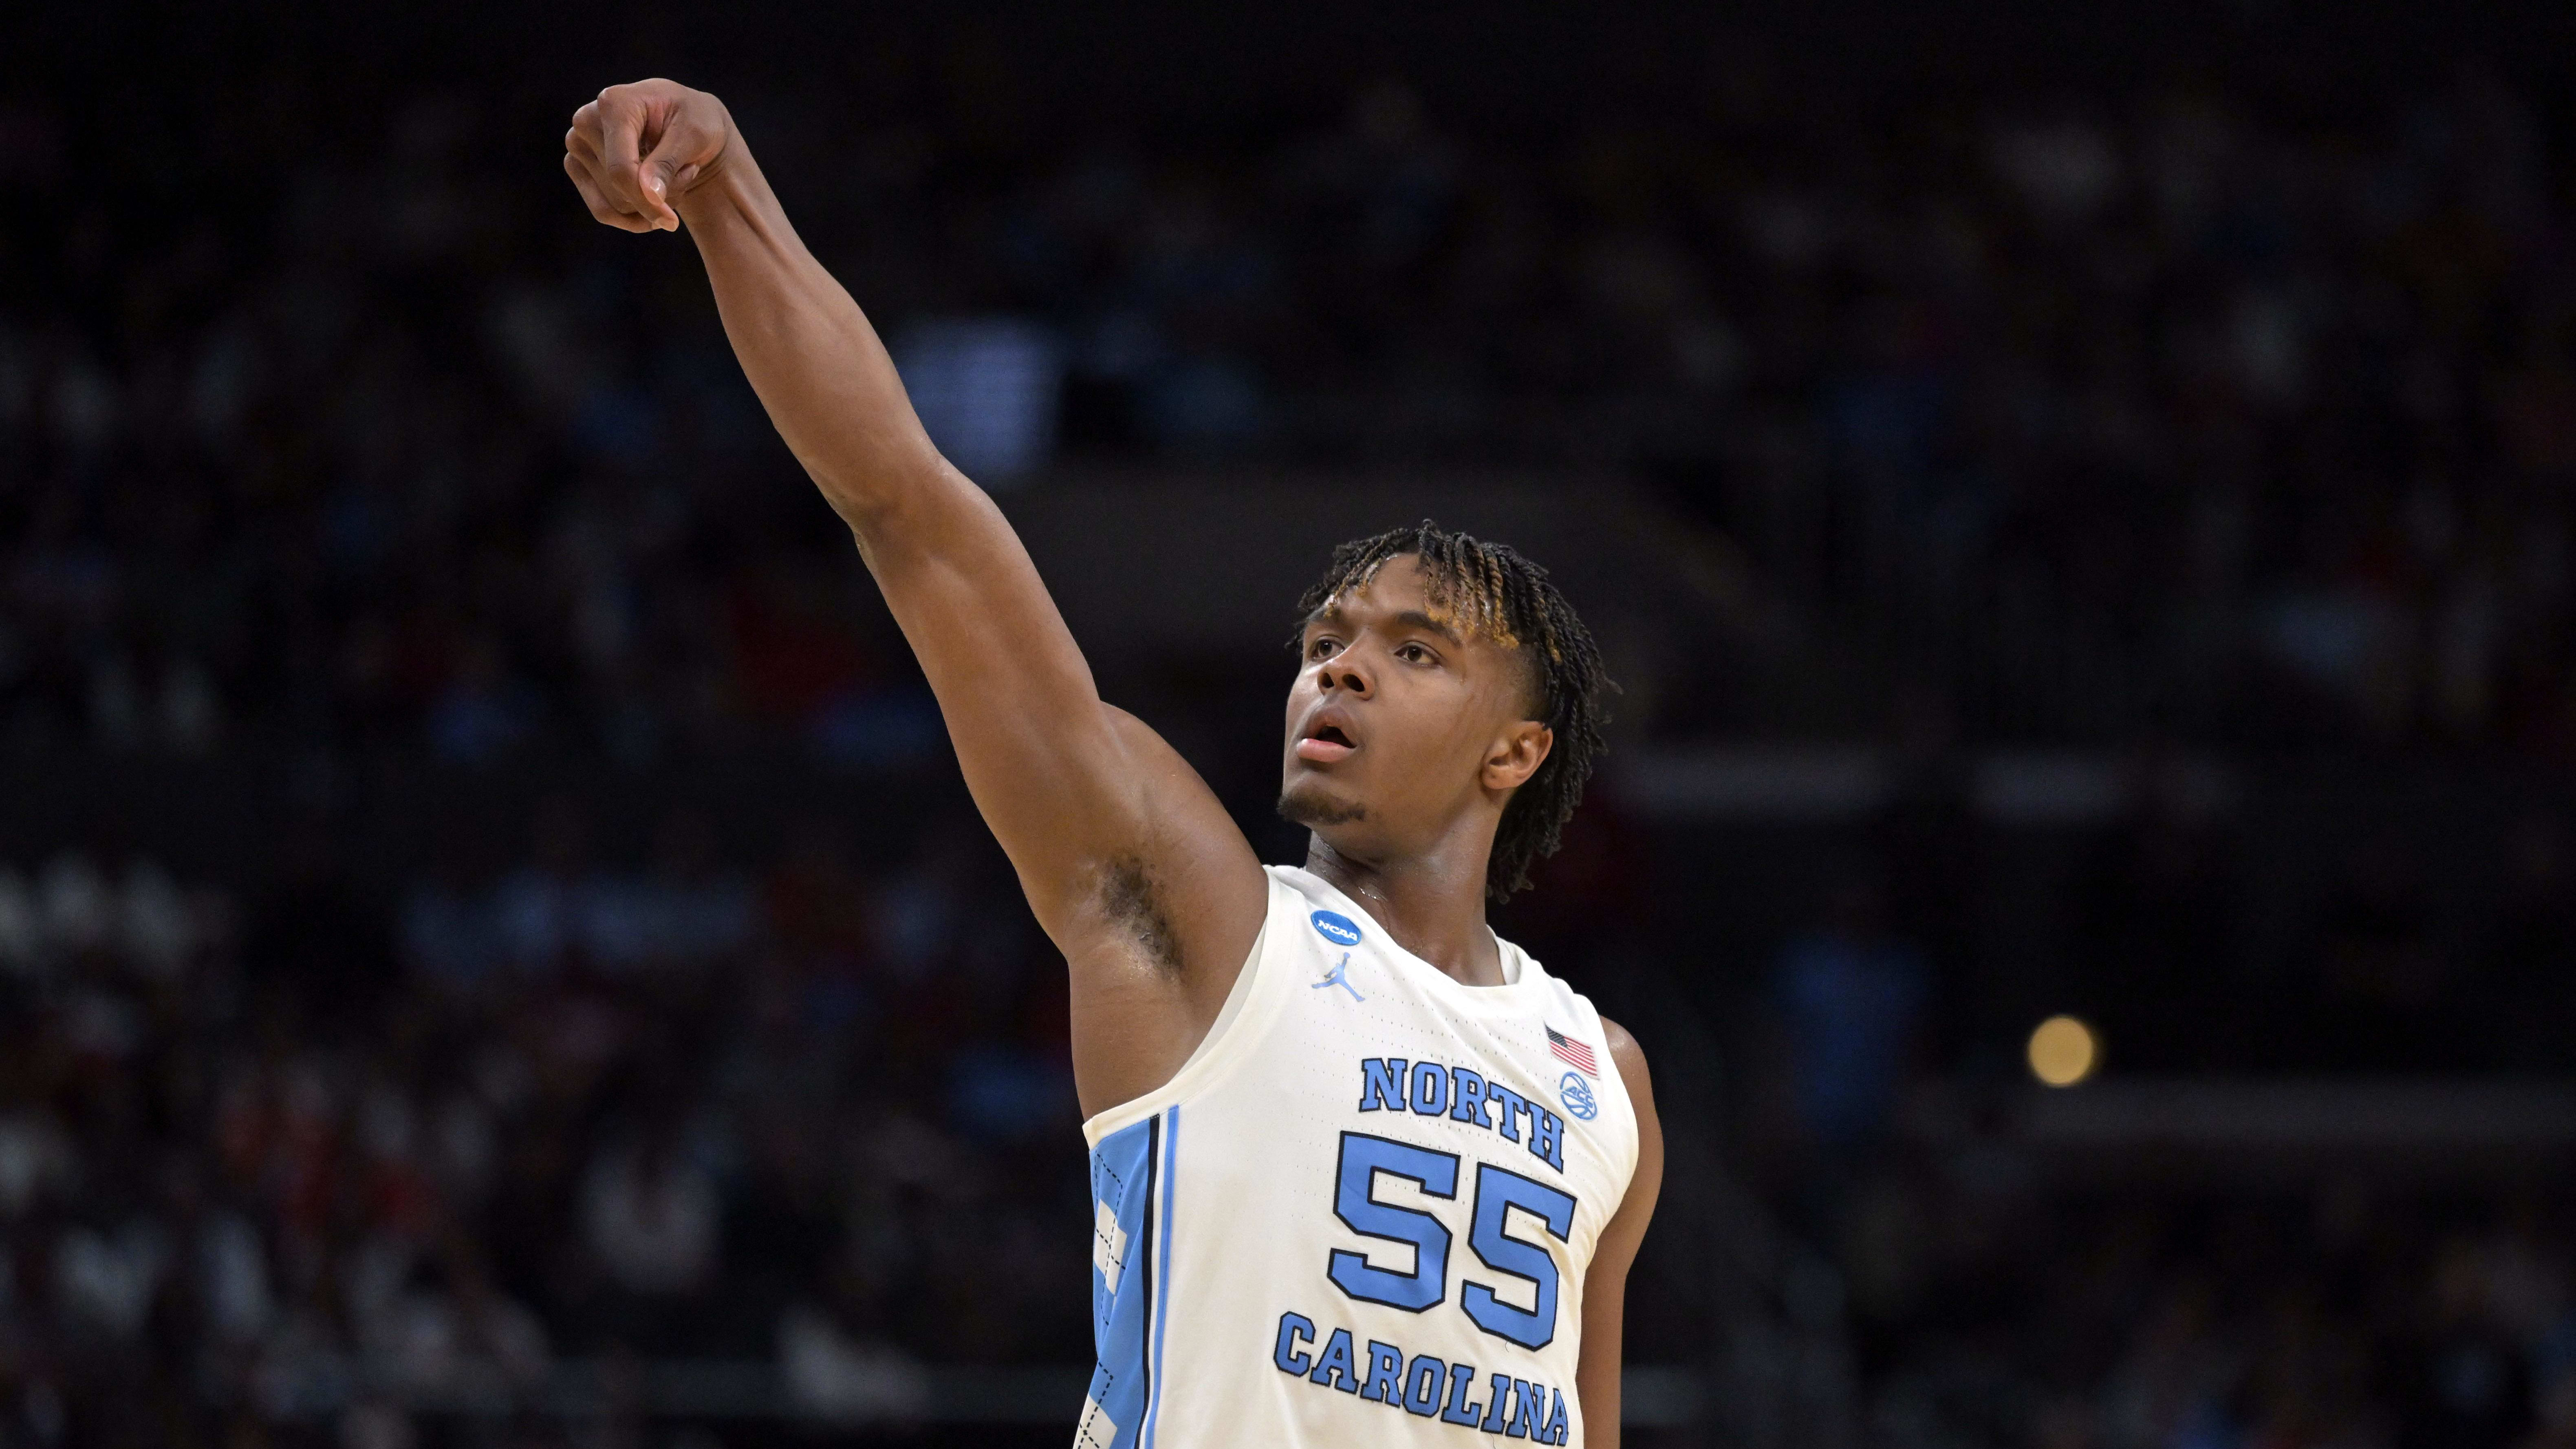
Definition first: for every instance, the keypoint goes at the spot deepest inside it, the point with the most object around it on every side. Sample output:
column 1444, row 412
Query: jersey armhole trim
column 1246, row 980
column 1611, row 1082
column 1250, row 1007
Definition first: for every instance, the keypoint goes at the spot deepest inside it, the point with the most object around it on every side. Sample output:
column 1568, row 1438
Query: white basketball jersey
column 1361, row 1213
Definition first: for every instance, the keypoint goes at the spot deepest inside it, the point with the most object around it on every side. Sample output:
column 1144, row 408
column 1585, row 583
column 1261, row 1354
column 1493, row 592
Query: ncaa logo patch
column 1576, row 1094
column 1335, row 928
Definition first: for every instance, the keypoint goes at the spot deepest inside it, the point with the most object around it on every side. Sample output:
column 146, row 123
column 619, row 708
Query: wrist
column 729, row 183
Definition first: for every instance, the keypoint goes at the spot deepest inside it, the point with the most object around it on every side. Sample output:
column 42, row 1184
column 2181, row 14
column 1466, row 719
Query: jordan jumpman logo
column 1340, row 978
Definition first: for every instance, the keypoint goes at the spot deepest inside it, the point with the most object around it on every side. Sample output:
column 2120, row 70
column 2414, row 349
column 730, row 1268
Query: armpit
column 1133, row 904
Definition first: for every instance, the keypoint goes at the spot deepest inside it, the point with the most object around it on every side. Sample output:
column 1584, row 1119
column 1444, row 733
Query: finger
column 598, row 204
column 578, row 147
column 601, row 209
column 621, row 131
column 583, row 136
column 584, row 169
column 581, row 145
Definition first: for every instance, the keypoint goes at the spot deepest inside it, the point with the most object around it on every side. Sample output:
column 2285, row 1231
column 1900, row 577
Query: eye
column 1322, row 647
column 1414, row 654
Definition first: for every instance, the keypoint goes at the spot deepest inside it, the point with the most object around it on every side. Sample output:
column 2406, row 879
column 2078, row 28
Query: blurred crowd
column 2396, row 957
column 2183, row 409
column 278, row 1168
column 1986, row 1313
column 1990, row 1293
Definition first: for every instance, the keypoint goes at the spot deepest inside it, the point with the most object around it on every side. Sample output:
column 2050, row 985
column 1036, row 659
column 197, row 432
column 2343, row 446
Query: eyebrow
column 1416, row 619
column 1410, row 619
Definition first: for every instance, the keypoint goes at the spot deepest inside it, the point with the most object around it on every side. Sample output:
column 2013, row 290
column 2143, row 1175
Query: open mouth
column 1324, row 744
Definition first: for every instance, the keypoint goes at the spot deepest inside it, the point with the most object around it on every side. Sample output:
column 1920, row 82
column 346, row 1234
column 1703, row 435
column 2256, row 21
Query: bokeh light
column 2064, row 1051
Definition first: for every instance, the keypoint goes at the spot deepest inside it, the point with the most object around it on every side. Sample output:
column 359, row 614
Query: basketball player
column 1364, row 1174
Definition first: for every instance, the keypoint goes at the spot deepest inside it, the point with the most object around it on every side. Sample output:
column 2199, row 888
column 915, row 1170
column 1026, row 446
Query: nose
column 1340, row 674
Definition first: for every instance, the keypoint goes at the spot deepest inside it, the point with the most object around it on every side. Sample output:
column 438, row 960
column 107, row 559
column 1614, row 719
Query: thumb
column 661, row 173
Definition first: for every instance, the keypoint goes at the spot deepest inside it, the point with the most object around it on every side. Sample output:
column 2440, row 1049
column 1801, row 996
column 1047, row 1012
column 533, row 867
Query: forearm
column 809, row 351
column 1039, row 753
column 1065, row 785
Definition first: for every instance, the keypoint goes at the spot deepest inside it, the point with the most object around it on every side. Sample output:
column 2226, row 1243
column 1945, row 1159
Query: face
column 1403, row 724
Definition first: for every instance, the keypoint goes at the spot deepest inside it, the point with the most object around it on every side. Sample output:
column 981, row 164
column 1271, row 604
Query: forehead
column 1397, row 591
column 1399, row 583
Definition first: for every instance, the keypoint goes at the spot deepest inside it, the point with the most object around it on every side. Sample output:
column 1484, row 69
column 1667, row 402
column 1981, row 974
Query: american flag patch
column 1569, row 1050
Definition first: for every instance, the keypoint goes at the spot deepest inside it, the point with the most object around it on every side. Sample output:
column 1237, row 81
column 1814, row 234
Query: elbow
column 863, row 514
column 876, row 498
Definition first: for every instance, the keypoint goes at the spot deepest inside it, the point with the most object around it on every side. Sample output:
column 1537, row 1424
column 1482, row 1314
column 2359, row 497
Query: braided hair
column 1493, row 590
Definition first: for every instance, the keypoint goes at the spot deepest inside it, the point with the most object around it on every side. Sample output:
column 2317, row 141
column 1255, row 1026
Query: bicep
column 1040, row 754
column 1605, row 1282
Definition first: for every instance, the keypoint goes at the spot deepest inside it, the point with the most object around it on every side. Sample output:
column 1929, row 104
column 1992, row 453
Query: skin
column 1130, row 864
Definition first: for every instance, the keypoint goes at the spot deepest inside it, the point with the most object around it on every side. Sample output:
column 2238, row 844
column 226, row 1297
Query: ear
column 1516, row 755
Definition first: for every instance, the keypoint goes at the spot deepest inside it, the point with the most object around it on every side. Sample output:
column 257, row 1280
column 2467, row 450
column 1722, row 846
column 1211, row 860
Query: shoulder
column 1630, row 1059
column 1646, row 1180
column 1295, row 881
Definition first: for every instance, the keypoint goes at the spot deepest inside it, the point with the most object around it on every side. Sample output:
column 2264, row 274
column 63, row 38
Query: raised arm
column 1129, row 861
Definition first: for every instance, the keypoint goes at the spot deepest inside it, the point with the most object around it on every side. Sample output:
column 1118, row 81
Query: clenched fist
column 639, row 148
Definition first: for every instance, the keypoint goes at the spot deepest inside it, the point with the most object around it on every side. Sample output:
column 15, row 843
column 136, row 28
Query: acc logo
column 1335, row 928
column 1577, row 1097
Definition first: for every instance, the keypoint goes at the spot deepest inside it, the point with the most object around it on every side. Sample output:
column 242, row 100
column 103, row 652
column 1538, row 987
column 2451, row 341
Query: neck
column 1433, row 905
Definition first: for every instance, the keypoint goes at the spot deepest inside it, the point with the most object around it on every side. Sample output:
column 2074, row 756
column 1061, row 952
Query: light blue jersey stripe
column 1125, row 1301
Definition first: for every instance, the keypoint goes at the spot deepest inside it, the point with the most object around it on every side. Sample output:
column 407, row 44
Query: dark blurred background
column 2082, row 502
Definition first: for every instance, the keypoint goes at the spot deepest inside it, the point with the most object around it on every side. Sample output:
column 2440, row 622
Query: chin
column 1312, row 804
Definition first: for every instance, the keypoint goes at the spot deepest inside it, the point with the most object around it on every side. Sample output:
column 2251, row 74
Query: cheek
column 1443, row 744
